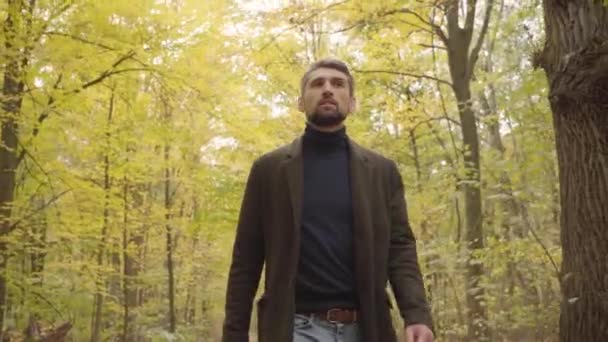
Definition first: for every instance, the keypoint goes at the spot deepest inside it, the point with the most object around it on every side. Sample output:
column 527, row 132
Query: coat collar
column 359, row 166
column 357, row 153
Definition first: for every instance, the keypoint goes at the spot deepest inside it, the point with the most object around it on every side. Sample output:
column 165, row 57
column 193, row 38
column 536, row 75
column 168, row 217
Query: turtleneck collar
column 325, row 141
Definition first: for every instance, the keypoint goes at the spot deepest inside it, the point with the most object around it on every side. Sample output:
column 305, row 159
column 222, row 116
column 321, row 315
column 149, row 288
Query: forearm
column 243, row 281
column 247, row 261
column 407, row 284
column 404, row 271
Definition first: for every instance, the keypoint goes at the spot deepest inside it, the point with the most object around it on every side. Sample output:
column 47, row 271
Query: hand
column 418, row 333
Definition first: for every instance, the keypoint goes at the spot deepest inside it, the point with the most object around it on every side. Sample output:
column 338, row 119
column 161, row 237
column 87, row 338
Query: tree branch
column 51, row 201
column 39, row 296
column 436, row 118
column 434, row 27
column 112, row 71
column 445, row 113
column 451, row 13
column 430, row 46
column 41, row 118
column 482, row 34
column 300, row 22
column 470, row 18
column 428, row 30
column 442, row 144
column 80, row 39
column 401, row 73
column 107, row 74
column 24, row 152
column 532, row 230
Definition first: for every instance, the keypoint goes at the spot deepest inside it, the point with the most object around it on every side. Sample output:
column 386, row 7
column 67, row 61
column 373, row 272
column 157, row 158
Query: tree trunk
column 16, row 28
column 575, row 60
column 132, row 265
column 474, row 239
column 168, row 224
column 462, row 57
column 190, row 307
column 169, row 236
column 127, row 288
column 147, row 204
column 126, row 284
column 101, row 283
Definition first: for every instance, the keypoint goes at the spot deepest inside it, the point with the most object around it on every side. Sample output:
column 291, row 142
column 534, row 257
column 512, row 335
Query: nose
column 327, row 89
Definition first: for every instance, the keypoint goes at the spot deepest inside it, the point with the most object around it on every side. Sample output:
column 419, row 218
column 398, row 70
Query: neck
column 324, row 142
column 326, row 129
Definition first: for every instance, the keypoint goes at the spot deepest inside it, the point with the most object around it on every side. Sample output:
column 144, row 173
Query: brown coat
column 269, row 232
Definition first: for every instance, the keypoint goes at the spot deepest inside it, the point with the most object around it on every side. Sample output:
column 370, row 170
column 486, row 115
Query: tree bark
column 132, row 265
column 191, row 297
column 127, row 266
column 168, row 226
column 101, row 283
column 169, row 238
column 575, row 60
column 463, row 53
column 16, row 27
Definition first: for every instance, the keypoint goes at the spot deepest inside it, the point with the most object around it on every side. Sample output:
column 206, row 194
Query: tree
column 575, row 60
column 96, row 323
column 463, row 53
column 17, row 26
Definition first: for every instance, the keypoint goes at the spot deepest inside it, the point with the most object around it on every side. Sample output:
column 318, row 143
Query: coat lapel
column 360, row 173
column 360, row 176
column 293, row 172
column 363, row 240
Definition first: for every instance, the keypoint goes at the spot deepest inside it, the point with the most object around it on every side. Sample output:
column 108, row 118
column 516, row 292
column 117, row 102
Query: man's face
column 326, row 98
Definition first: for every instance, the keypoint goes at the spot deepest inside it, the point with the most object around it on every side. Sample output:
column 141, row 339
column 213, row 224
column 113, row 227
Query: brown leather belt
column 336, row 315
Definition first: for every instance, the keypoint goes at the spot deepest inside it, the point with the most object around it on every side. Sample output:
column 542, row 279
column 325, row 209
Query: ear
column 300, row 104
column 353, row 105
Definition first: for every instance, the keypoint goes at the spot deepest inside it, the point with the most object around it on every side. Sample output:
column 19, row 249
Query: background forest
column 131, row 127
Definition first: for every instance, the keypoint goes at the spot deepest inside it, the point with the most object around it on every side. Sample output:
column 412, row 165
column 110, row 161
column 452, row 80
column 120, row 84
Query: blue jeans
column 307, row 328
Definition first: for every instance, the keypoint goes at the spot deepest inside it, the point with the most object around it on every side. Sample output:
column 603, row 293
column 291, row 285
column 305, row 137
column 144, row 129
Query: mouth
column 327, row 102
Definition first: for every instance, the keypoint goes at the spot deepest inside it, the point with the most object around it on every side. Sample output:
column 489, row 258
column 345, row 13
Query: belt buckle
column 328, row 314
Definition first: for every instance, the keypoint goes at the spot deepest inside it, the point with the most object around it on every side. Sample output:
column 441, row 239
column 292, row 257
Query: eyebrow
column 340, row 78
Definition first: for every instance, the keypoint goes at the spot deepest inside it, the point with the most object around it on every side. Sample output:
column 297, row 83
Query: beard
column 326, row 119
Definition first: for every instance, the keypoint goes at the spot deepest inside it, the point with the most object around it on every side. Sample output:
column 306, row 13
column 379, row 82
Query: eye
column 317, row 82
column 338, row 82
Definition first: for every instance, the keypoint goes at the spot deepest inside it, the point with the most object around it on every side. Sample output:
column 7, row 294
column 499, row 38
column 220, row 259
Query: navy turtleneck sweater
column 325, row 277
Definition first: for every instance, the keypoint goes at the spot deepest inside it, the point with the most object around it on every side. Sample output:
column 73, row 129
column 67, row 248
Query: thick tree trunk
column 582, row 155
column 575, row 59
column 16, row 26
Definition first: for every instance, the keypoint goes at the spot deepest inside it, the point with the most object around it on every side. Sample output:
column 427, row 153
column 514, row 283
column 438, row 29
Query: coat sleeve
column 404, row 272
column 247, row 262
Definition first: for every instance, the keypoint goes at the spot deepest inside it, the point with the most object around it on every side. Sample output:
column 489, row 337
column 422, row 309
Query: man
column 328, row 220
